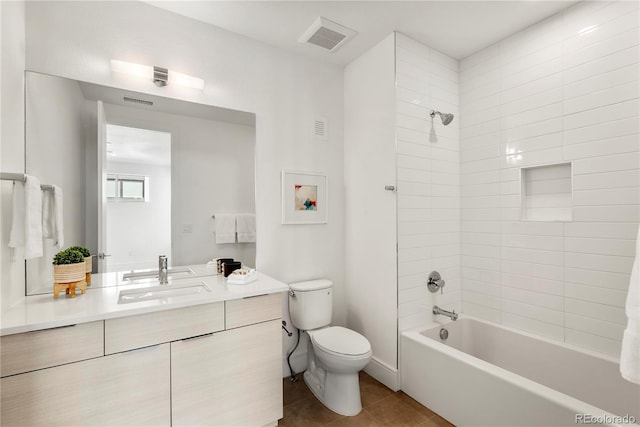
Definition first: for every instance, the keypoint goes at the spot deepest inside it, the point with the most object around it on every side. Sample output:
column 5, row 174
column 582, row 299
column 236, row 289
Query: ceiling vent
column 137, row 100
column 326, row 34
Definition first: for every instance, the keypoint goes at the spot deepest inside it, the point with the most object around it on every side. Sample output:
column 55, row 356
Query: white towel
column 52, row 216
column 246, row 228
column 630, row 354
column 26, row 228
column 225, row 228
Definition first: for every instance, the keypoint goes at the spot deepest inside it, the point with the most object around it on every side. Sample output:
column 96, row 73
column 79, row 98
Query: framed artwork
column 304, row 198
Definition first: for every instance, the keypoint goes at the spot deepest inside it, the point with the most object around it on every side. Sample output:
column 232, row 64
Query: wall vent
column 137, row 100
column 326, row 34
column 320, row 130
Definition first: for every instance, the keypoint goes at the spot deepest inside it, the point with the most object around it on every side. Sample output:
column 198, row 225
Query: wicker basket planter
column 68, row 273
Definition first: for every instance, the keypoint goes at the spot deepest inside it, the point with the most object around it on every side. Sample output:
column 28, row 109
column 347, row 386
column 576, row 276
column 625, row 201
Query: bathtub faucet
column 451, row 314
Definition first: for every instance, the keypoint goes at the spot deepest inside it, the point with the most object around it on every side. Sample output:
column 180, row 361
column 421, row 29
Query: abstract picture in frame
column 304, row 198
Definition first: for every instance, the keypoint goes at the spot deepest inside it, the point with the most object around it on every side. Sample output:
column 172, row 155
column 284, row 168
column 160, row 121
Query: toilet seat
column 340, row 341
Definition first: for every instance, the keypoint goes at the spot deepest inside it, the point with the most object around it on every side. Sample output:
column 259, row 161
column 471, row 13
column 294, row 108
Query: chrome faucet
column 451, row 314
column 163, row 275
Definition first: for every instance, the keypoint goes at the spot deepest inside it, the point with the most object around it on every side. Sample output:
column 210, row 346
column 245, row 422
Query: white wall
column 370, row 210
column 78, row 40
column 212, row 171
column 12, row 56
column 55, row 155
column 428, row 180
column 138, row 232
column 545, row 95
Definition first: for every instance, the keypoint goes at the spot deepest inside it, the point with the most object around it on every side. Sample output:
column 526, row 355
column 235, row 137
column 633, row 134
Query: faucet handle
column 435, row 282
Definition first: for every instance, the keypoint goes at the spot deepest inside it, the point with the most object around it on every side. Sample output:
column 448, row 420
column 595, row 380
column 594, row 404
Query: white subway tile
column 479, row 287
column 484, row 300
column 603, row 147
column 603, row 114
column 531, row 116
column 414, row 150
column 534, row 255
column 480, row 177
column 611, row 230
column 624, row 213
column 614, row 95
column 415, row 84
column 481, row 275
column 605, row 29
column 532, row 39
column 531, row 311
column 612, row 163
column 587, row 14
column 600, row 246
column 535, row 284
column 540, row 271
column 543, row 99
column 538, row 129
column 486, row 58
column 533, row 228
column 551, row 243
column 608, row 196
column 595, row 294
column 602, row 48
column 545, row 69
column 602, row 65
column 480, row 202
column 551, row 140
column 481, row 263
column 539, row 299
column 480, row 250
column 601, row 328
column 601, row 81
column 625, row 180
column 413, row 97
column 534, row 326
column 412, row 215
column 598, row 279
column 413, row 175
column 479, row 311
column 408, row 135
column 486, row 152
column 596, row 311
column 533, row 158
column 593, row 342
column 532, row 88
column 608, row 263
column 607, row 130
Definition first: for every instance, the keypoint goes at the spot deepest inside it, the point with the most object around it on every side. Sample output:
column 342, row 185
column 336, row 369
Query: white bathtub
column 486, row 374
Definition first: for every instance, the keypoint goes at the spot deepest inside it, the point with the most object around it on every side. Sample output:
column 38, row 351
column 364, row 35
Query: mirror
column 141, row 176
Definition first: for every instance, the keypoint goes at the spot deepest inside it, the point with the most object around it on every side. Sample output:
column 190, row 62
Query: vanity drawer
column 246, row 311
column 127, row 333
column 50, row 347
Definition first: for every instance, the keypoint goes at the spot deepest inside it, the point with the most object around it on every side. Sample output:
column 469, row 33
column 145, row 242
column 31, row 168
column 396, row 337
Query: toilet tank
column 311, row 304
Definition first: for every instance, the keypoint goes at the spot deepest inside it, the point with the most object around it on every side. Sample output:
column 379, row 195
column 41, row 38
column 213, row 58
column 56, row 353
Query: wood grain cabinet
column 230, row 378
column 125, row 389
column 214, row 364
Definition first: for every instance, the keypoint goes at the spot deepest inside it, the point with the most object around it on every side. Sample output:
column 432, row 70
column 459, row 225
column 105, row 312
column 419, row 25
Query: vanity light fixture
column 159, row 75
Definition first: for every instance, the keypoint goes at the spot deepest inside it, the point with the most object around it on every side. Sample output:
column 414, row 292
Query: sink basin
column 177, row 272
column 161, row 291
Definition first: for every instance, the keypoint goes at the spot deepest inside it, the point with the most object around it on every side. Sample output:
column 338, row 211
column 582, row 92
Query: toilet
column 335, row 354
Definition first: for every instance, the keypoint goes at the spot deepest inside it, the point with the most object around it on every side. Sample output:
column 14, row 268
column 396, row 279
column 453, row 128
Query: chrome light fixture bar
column 160, row 76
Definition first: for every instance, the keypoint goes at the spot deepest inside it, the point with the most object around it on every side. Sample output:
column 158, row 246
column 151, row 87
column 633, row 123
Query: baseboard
column 383, row 373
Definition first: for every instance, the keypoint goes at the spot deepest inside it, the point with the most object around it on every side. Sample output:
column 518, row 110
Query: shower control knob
column 435, row 282
column 390, row 187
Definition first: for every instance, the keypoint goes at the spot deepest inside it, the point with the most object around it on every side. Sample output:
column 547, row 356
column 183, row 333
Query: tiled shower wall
column 564, row 90
column 428, row 168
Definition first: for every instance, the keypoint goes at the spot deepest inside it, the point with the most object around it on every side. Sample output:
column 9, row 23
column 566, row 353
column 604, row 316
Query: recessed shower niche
column 547, row 193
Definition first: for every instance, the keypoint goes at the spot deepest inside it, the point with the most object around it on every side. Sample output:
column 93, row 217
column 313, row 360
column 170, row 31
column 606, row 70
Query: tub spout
column 451, row 314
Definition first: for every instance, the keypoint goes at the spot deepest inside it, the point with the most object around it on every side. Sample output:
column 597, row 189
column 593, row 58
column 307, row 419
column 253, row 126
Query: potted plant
column 69, row 266
column 87, row 260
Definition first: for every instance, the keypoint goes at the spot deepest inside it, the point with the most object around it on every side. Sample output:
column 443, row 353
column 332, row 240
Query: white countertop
column 98, row 303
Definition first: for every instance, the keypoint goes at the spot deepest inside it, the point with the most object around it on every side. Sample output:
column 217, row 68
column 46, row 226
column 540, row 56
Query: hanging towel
column 630, row 354
column 225, row 228
column 52, row 219
column 26, row 229
column 246, row 228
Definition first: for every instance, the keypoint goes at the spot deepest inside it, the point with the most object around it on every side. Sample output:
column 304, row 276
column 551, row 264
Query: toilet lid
column 341, row 340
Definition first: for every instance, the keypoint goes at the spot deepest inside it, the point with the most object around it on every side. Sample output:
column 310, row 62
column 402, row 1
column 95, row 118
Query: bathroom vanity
column 211, row 358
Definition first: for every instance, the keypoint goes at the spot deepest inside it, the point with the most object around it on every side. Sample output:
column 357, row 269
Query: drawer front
column 247, row 311
column 128, row 333
column 50, row 347
column 125, row 389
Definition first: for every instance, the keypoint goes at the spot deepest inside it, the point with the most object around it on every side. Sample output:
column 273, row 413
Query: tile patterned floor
column 381, row 407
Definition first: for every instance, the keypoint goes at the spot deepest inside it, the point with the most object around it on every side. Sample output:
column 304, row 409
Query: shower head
column 445, row 117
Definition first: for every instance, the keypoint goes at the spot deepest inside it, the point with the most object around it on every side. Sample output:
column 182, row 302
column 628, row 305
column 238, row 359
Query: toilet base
column 338, row 392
